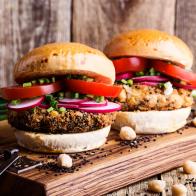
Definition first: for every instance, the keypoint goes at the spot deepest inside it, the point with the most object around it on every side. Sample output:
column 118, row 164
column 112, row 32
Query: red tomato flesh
column 93, row 88
column 19, row 92
column 130, row 64
column 174, row 71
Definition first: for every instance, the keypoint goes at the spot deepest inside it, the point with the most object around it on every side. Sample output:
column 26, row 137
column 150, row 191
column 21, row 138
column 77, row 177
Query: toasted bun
column 57, row 59
column 62, row 143
column 153, row 122
column 151, row 44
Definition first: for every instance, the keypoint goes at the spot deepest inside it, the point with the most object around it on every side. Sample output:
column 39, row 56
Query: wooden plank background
column 25, row 24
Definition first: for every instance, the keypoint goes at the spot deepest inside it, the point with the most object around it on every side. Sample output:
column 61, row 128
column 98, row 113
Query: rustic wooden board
column 102, row 19
column 102, row 174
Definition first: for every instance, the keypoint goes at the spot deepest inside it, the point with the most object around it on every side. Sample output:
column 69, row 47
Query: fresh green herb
column 141, row 73
column 193, row 94
column 50, row 109
column 33, row 81
column 54, row 103
column 99, row 99
column 61, row 95
column 15, row 102
column 161, row 85
column 41, row 81
column 152, row 72
column 62, row 109
column 75, row 95
column 46, row 80
column 27, row 84
column 130, row 82
column 53, row 79
column 49, row 97
column 33, row 110
column 124, row 81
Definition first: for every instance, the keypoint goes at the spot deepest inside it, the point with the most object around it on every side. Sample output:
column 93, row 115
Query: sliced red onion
column 150, row 79
column 68, row 106
column 124, row 76
column 110, row 107
column 72, row 101
column 149, row 83
column 26, row 104
column 93, row 104
column 184, row 86
column 44, row 106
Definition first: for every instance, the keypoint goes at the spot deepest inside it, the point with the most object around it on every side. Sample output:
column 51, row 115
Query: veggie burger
column 154, row 69
column 60, row 103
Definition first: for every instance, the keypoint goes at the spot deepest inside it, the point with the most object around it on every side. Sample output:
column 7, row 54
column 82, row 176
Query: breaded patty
column 71, row 121
column 145, row 98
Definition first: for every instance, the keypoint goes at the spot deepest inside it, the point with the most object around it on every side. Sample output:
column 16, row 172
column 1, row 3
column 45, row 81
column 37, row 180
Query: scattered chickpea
column 54, row 113
column 127, row 133
column 194, row 121
column 189, row 167
column 157, row 186
column 179, row 190
column 64, row 160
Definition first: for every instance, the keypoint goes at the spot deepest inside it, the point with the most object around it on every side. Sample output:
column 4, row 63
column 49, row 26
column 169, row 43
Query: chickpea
column 189, row 167
column 64, row 160
column 127, row 133
column 179, row 190
column 157, row 186
column 194, row 121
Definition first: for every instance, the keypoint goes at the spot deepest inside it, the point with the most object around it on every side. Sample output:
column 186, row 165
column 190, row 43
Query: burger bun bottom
column 153, row 122
column 62, row 143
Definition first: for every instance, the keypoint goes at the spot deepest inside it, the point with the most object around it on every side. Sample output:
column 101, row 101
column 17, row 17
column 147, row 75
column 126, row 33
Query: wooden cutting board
column 100, row 171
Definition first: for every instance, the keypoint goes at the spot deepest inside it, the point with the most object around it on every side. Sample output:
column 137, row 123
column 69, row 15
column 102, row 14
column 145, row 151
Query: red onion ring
column 184, row 86
column 124, row 76
column 26, row 104
column 150, row 79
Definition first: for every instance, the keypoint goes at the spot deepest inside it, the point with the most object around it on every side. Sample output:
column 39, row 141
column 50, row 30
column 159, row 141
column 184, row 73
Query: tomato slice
column 19, row 92
column 128, row 64
column 175, row 71
column 93, row 88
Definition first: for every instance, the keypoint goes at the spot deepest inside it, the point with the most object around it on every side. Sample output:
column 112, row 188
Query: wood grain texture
column 25, row 24
column 122, row 166
column 175, row 177
column 186, row 23
column 139, row 188
column 95, row 22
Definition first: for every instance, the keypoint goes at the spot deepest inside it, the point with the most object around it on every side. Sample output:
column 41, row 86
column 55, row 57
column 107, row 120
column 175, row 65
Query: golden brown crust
column 151, row 44
column 62, row 58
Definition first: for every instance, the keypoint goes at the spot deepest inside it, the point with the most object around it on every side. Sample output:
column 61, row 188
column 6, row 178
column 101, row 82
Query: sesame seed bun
column 152, row 44
column 58, row 59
